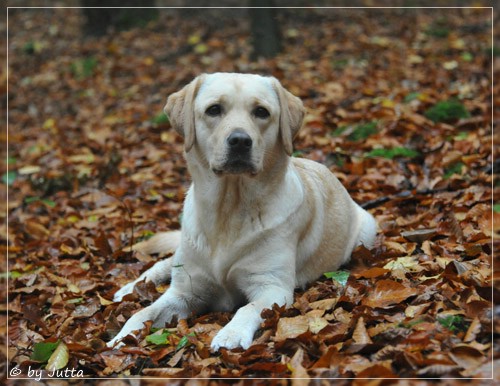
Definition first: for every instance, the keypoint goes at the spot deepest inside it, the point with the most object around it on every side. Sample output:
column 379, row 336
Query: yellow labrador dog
column 257, row 223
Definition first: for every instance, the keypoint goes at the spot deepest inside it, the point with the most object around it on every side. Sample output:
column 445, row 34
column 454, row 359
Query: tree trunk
column 266, row 37
column 99, row 19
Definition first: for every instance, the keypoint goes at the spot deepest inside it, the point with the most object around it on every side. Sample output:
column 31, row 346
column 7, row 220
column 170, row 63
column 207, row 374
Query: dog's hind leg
column 162, row 243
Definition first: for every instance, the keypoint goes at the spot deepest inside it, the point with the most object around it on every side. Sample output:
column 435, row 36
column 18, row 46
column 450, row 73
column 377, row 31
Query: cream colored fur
column 251, row 233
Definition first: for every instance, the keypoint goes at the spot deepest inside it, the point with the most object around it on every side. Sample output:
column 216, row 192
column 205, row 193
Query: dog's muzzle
column 239, row 154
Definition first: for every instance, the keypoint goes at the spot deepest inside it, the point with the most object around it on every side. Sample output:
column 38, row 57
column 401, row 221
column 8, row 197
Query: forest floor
column 399, row 108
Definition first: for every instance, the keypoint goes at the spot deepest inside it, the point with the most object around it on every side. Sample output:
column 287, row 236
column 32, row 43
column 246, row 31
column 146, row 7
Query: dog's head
column 235, row 120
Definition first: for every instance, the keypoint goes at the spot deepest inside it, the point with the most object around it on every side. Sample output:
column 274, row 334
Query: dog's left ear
column 180, row 111
column 292, row 113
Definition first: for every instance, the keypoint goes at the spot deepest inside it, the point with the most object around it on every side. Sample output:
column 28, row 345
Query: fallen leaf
column 387, row 293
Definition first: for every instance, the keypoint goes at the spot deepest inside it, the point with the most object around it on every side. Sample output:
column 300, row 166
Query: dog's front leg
column 241, row 329
column 170, row 304
column 159, row 273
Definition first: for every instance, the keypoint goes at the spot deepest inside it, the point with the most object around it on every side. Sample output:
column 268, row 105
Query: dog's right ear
column 180, row 111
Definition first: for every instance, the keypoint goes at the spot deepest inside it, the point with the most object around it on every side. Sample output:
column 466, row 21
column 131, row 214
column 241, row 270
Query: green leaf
column 9, row 177
column 453, row 323
column 467, row 57
column 339, row 64
column 447, row 111
column 74, row 301
column 456, row 168
column 338, row 131
column 84, row 68
column 411, row 323
column 11, row 161
column 33, row 47
column 496, row 208
column 59, row 358
column 393, row 153
column 11, row 275
column 43, row 350
column 339, row 276
column 363, row 131
column 30, row 200
column 461, row 136
column 160, row 119
column 48, row 202
column 437, row 30
column 184, row 341
column 15, row 274
column 158, row 339
column 412, row 96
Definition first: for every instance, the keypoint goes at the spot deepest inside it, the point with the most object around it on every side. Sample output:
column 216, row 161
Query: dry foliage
column 94, row 167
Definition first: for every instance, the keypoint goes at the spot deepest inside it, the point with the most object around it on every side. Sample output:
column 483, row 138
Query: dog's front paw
column 114, row 344
column 135, row 323
column 125, row 290
column 230, row 337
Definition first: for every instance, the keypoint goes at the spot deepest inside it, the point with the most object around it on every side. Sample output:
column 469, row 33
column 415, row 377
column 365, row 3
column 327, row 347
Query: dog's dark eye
column 214, row 110
column 261, row 112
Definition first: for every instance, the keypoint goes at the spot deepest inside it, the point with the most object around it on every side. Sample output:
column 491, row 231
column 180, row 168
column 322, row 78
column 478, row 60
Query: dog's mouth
column 236, row 167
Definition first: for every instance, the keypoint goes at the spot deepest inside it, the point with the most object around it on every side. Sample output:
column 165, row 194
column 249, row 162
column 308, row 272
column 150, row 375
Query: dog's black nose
column 239, row 141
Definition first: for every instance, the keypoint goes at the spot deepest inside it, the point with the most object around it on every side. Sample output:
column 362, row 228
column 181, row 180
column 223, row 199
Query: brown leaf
column 372, row 273
column 473, row 330
column 438, row 370
column 165, row 372
column 377, row 371
column 419, row 235
column 86, row 310
column 467, row 357
column 176, row 358
column 102, row 244
column 387, row 293
column 289, row 328
column 295, row 364
column 360, row 335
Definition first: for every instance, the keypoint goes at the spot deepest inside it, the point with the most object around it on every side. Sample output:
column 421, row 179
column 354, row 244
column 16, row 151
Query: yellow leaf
column 104, row 302
column 201, row 48
column 388, row 103
column 194, row 39
column 29, row 169
column 412, row 311
column 317, row 324
column 73, row 219
column 415, row 59
column 458, row 44
column 149, row 61
column 407, row 263
column 73, row 288
column 59, row 358
column 49, row 123
column 451, row 65
column 87, row 158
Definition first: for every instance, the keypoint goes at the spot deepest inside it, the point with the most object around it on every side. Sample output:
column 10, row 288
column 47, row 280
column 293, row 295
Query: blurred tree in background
column 266, row 40
column 99, row 20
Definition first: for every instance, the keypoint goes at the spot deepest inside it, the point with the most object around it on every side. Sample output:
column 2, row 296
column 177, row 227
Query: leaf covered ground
column 399, row 107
